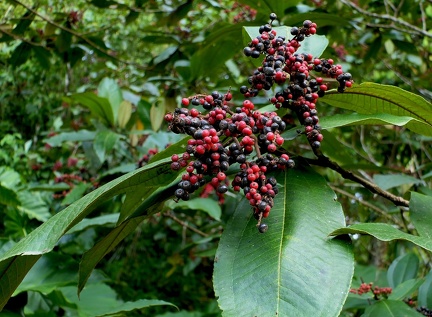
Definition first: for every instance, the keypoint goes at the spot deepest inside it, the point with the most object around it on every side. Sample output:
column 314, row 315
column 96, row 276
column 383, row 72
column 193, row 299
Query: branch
column 78, row 35
column 326, row 162
column 16, row 37
column 413, row 29
column 184, row 224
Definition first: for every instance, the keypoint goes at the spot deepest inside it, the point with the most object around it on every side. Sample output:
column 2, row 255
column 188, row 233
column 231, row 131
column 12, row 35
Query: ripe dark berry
column 273, row 16
column 262, row 228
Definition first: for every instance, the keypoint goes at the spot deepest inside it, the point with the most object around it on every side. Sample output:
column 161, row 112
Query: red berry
column 185, row 102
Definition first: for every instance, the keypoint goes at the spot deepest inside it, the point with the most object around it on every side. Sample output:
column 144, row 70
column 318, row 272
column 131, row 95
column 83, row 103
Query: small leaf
column 79, row 136
column 8, row 197
column 282, row 271
column 34, row 206
column 405, row 289
column 390, row 308
column 157, row 113
column 424, row 297
column 104, row 142
column 421, row 214
column 371, row 98
column 204, row 204
column 76, row 193
column 109, row 89
column 100, row 107
column 395, row 180
column 384, row 232
column 20, row 54
column 403, row 268
column 96, row 221
column 125, row 112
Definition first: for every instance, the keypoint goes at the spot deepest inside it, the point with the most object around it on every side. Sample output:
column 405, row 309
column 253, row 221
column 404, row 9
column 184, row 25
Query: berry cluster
column 424, row 311
column 222, row 136
column 282, row 65
column 377, row 291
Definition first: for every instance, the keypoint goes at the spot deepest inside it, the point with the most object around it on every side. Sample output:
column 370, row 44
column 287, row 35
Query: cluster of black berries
column 282, row 65
column 424, row 311
column 222, row 136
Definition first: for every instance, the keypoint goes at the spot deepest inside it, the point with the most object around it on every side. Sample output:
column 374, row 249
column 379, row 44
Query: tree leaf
column 371, row 98
column 16, row 262
column 157, row 113
column 282, row 271
column 124, row 114
column 341, row 120
column 20, row 54
column 395, row 180
column 34, row 206
column 424, row 296
column 421, row 214
column 390, row 308
column 211, row 207
column 101, row 300
column 109, row 89
column 96, row 221
column 384, row 232
column 8, row 197
column 100, row 107
column 104, row 142
column 79, row 136
column 403, row 268
column 405, row 289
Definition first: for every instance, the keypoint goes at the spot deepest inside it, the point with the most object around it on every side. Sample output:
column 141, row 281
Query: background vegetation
column 65, row 63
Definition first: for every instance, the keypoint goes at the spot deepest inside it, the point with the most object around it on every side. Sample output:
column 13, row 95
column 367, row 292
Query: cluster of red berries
column 282, row 65
column 222, row 136
column 245, row 12
column 146, row 157
column 368, row 287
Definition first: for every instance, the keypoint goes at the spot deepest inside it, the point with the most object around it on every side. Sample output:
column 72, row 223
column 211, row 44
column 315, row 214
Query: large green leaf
column 16, row 262
column 390, row 308
column 395, row 180
column 402, row 269
column 293, row 269
column 79, row 136
column 425, row 292
column 340, row 120
column 104, row 142
column 99, row 106
column 421, row 214
column 405, row 289
column 8, row 197
column 371, row 98
column 211, row 207
column 109, row 89
column 384, row 232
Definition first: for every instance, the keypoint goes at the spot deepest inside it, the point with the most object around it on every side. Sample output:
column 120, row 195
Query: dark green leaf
column 24, row 23
column 17, row 261
column 384, row 232
column 162, row 57
column 64, row 41
column 79, row 136
column 370, row 98
column 390, row 308
column 43, row 56
column 425, row 292
column 76, row 193
column 100, row 107
column 421, row 214
column 8, row 197
column 20, row 54
column 97, row 221
column 33, row 205
column 176, row 148
column 58, row 187
column 403, row 268
column 282, row 271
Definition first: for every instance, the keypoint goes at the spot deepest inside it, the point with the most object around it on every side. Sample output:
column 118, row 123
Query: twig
column 413, row 29
column 184, row 224
column 78, row 35
column 326, row 162
column 16, row 37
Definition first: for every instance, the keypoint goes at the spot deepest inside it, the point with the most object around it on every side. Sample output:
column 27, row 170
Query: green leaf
column 101, row 300
column 79, row 136
column 76, row 193
column 371, row 98
column 16, row 262
column 157, row 113
column 98, row 106
column 341, row 120
column 34, row 206
column 219, row 46
column 204, row 204
column 50, row 272
column 390, row 308
column 58, row 187
column 124, row 113
column 421, row 214
column 8, row 197
column 109, row 89
column 176, row 148
column 395, row 180
column 96, row 221
column 384, row 232
column 403, row 268
column 103, row 247
column 405, row 289
column 24, row 23
column 20, row 54
column 104, row 142
column 282, row 272
column 424, row 296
